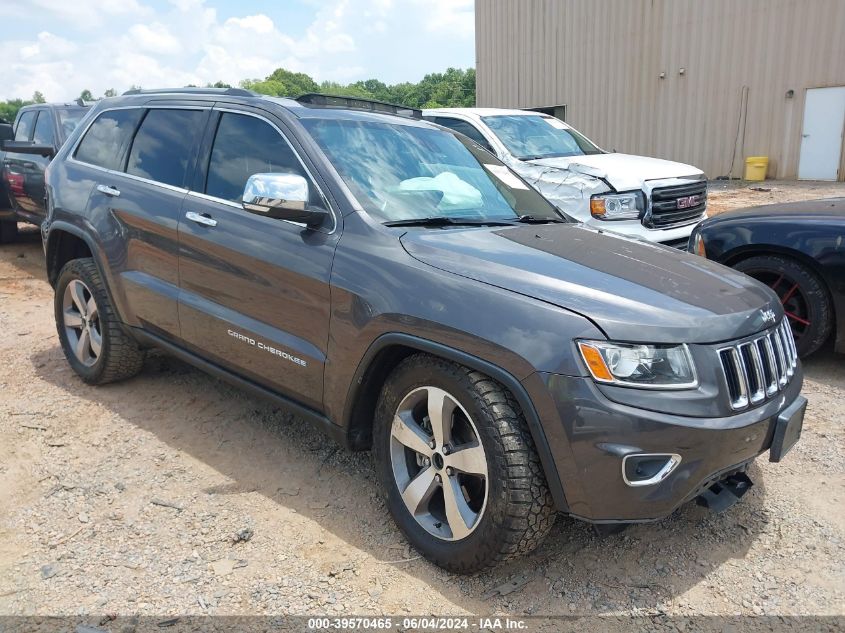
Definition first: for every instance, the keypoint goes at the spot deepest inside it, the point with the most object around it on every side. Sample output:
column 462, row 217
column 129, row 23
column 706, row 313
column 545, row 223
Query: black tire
column 8, row 231
column 519, row 510
column 119, row 357
column 804, row 291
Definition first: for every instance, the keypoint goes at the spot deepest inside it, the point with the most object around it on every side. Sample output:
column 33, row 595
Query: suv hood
column 633, row 290
column 624, row 172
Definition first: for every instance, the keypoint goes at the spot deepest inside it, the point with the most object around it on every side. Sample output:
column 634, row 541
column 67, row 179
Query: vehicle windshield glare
column 530, row 137
column 405, row 172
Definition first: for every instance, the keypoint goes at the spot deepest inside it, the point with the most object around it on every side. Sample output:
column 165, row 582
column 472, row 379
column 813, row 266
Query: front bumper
column 589, row 436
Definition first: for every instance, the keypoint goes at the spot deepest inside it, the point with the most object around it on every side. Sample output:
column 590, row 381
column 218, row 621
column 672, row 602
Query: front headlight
column 617, row 206
column 644, row 366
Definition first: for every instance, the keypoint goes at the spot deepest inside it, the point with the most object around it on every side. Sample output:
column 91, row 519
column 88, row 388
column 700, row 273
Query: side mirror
column 7, row 133
column 283, row 197
column 25, row 147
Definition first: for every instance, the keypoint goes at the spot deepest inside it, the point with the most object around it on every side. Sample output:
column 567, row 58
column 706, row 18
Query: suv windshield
column 405, row 172
column 529, row 137
column 69, row 118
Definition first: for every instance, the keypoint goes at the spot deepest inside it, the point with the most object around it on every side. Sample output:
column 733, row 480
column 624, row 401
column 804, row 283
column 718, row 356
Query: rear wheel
column 8, row 231
column 802, row 293
column 458, row 466
column 93, row 341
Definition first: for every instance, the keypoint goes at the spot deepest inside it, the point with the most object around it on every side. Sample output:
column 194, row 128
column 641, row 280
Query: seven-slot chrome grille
column 757, row 369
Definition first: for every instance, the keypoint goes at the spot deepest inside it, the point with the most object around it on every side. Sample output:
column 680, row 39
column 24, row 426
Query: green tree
column 9, row 109
column 453, row 88
column 86, row 95
column 38, row 97
column 282, row 83
column 111, row 92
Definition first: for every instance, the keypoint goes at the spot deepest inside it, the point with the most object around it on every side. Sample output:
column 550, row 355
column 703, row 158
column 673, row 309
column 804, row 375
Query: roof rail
column 358, row 103
column 230, row 92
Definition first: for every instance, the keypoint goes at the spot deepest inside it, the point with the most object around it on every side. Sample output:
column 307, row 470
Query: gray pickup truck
column 26, row 148
column 397, row 285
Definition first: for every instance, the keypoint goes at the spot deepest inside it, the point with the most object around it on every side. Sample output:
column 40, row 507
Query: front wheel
column 803, row 294
column 461, row 476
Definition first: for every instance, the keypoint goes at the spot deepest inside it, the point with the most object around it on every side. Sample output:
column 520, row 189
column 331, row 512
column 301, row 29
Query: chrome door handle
column 109, row 191
column 205, row 220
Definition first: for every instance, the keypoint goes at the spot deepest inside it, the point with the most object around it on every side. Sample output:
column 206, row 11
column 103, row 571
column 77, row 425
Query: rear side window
column 464, row 128
column 25, row 123
column 44, row 134
column 165, row 144
column 245, row 146
column 106, row 141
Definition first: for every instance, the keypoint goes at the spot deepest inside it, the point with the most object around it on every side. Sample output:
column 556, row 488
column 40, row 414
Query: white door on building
column 824, row 126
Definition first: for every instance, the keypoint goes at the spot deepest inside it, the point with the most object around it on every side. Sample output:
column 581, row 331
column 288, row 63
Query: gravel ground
column 174, row 494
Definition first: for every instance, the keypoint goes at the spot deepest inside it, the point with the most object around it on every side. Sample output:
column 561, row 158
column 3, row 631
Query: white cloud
column 155, row 38
column 187, row 42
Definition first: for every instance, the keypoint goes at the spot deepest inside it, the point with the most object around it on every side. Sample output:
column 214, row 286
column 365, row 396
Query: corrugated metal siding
column 603, row 58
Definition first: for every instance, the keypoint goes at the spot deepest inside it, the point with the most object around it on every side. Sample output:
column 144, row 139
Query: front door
column 822, row 134
column 254, row 293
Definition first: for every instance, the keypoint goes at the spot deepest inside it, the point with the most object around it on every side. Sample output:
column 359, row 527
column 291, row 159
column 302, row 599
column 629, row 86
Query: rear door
column 255, row 290
column 140, row 161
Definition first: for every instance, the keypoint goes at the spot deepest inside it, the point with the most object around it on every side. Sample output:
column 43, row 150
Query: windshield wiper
column 440, row 220
column 533, row 219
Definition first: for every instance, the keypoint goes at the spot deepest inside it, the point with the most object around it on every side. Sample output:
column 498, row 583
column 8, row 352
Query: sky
column 60, row 47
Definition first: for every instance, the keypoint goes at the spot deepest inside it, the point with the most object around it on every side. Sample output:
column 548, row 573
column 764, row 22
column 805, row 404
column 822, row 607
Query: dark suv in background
column 35, row 137
column 397, row 285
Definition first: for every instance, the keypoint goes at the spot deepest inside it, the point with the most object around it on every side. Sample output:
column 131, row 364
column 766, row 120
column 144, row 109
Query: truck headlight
column 617, row 206
column 644, row 366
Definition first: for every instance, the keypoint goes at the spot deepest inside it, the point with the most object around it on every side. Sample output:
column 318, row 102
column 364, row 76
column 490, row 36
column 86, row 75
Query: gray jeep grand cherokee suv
column 397, row 285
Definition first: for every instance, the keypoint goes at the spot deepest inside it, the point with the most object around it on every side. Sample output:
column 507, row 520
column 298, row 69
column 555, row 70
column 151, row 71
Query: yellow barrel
column 756, row 167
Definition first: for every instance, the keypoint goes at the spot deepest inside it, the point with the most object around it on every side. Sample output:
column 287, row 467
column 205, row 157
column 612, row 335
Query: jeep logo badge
column 688, row 201
column 768, row 316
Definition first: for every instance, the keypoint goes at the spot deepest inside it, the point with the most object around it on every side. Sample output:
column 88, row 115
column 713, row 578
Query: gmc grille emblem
column 688, row 201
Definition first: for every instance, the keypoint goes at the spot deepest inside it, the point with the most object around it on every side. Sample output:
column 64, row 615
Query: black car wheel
column 8, row 231
column 458, row 466
column 93, row 341
column 802, row 293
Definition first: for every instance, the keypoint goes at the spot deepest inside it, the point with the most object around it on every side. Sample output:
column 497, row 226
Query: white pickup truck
column 657, row 200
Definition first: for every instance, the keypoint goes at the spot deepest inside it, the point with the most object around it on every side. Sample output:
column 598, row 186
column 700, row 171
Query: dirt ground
column 128, row 499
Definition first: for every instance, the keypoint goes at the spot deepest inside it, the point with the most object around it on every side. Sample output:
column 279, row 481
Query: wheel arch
column 64, row 243
column 732, row 258
column 387, row 351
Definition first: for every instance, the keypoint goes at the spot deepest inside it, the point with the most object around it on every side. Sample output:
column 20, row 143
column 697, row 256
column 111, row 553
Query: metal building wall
column 603, row 59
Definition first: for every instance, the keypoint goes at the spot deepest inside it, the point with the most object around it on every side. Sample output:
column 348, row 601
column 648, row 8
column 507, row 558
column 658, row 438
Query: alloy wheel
column 439, row 464
column 795, row 304
column 81, row 321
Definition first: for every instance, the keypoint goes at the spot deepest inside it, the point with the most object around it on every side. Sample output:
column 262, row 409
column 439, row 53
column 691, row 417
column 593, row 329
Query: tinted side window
column 164, row 145
column 245, row 146
column 464, row 128
column 106, row 141
column 44, row 134
column 25, row 122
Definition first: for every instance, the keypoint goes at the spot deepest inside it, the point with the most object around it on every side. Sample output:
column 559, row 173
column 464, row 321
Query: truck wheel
column 94, row 343
column 804, row 297
column 8, row 231
column 458, row 466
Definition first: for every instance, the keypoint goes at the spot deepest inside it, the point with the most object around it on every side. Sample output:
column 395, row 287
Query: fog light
column 647, row 469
